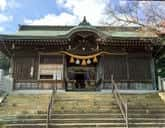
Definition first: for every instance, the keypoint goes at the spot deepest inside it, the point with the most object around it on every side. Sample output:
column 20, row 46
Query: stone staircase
column 86, row 109
column 82, row 110
column 95, row 109
column 146, row 110
column 26, row 121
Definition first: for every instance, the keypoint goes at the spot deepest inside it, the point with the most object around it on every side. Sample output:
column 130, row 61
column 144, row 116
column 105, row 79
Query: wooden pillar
column 128, row 75
column 38, row 74
column 99, row 74
column 160, row 84
column 103, row 71
column 65, row 72
column 64, row 68
column 11, row 70
column 154, row 85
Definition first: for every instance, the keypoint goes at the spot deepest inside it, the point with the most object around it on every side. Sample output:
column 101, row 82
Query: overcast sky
column 51, row 12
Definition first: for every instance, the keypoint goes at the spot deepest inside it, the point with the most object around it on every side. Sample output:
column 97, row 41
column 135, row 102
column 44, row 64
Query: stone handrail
column 50, row 105
column 120, row 101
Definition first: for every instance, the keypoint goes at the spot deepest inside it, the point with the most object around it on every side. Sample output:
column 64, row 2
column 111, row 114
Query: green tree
column 4, row 63
column 161, row 67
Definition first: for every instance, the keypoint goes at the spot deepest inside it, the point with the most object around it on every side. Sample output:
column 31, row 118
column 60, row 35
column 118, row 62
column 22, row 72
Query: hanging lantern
column 88, row 61
column 83, row 63
column 71, row 60
column 77, row 61
column 95, row 59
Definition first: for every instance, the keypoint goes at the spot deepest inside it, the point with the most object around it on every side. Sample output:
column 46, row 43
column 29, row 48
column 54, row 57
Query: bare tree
column 147, row 14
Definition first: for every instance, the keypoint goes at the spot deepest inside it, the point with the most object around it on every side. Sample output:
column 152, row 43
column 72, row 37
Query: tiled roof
column 32, row 31
column 58, row 31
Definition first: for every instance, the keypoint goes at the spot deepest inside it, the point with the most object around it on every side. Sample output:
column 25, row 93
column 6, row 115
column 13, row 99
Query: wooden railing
column 120, row 101
column 50, row 105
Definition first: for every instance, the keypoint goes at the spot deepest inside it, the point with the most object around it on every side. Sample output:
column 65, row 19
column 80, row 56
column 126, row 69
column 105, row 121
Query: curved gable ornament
column 84, row 27
column 84, row 39
column 84, row 22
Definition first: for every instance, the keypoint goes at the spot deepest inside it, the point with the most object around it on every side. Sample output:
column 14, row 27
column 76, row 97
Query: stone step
column 146, row 107
column 104, row 103
column 104, row 127
column 87, row 111
column 148, row 124
column 85, row 115
column 26, row 121
column 106, row 98
column 144, row 115
column 42, row 125
column 88, row 120
column 103, row 117
column 37, row 116
column 112, row 107
column 134, row 103
column 67, row 125
column 63, row 115
column 90, row 125
column 146, row 111
column 104, row 110
column 99, row 114
column 146, row 120
column 69, row 120
column 87, row 98
column 145, row 127
column 88, row 105
column 106, row 122
column 79, row 103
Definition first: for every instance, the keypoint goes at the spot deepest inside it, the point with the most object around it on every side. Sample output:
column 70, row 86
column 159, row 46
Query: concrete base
column 32, row 92
column 102, row 91
column 132, row 91
column 61, row 90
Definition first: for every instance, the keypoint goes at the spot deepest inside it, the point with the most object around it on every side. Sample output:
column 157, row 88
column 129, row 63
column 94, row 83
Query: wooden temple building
column 82, row 57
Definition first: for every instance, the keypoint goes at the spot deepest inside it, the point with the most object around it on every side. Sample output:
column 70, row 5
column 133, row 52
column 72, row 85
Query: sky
column 48, row 12
column 51, row 12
